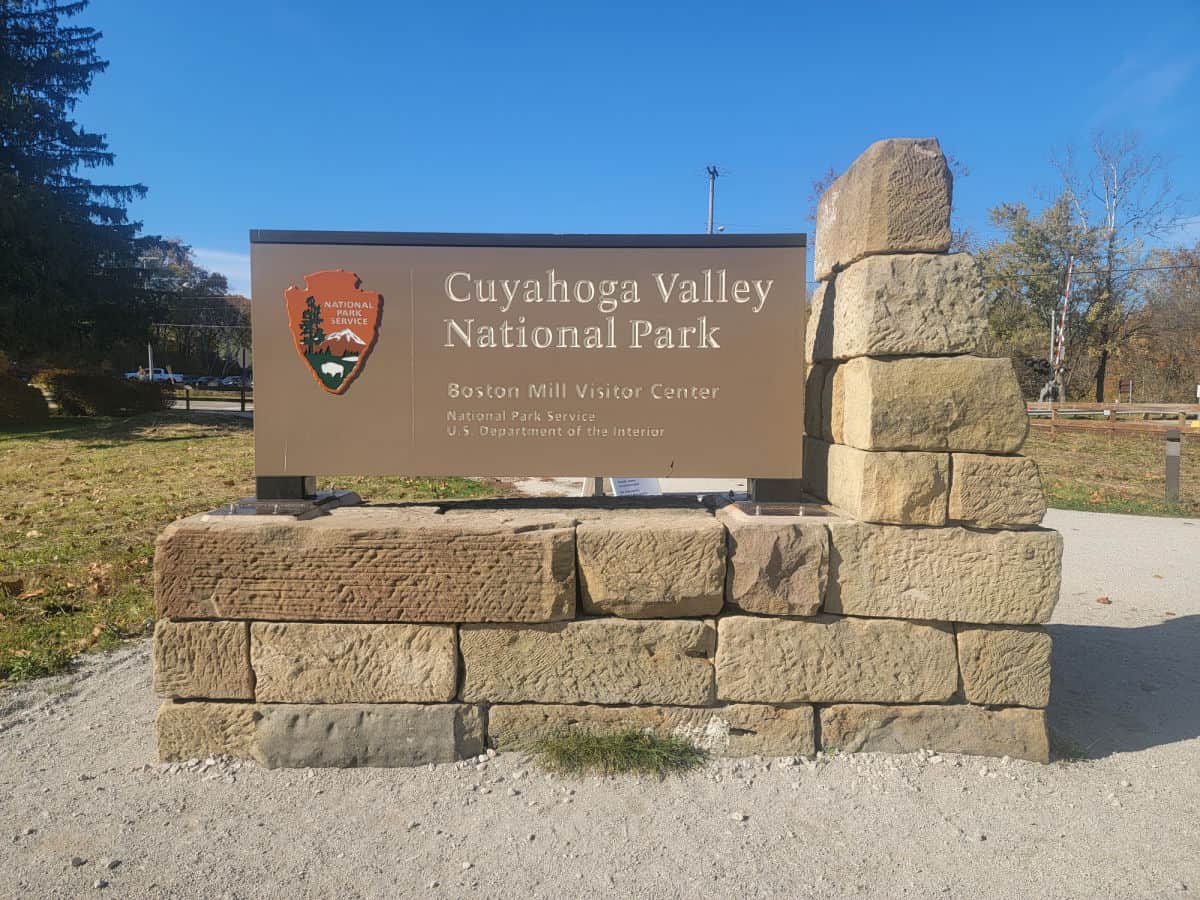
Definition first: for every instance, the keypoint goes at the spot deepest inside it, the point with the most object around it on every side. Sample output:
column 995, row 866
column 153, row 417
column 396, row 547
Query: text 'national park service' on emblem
column 334, row 325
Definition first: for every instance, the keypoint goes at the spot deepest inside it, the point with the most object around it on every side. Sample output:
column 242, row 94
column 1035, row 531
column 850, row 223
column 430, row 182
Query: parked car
column 235, row 382
column 156, row 375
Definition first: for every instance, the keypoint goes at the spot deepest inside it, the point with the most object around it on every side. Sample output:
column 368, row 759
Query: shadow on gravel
column 1121, row 689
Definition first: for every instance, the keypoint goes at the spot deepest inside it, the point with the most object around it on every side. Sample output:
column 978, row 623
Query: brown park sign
column 458, row 354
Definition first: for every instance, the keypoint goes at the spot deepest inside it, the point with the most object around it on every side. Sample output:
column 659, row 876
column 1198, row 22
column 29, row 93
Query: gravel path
column 85, row 808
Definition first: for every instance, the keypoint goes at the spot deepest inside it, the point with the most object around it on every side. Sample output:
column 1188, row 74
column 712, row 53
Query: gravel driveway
column 86, row 809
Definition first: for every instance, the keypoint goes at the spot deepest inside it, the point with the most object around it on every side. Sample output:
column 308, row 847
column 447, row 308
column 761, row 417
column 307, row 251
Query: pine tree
column 70, row 286
column 311, row 332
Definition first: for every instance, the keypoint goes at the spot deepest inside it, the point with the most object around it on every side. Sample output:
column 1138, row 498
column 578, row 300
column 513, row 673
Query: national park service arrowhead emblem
column 334, row 326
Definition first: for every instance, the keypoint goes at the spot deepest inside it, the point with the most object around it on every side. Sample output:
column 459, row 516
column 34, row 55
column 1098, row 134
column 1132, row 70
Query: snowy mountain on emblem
column 347, row 335
column 341, row 343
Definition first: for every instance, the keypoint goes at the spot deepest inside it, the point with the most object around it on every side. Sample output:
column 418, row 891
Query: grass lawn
column 84, row 500
column 1117, row 473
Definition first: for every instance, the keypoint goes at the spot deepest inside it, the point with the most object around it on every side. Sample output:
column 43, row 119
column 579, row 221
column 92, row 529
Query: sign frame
column 299, row 484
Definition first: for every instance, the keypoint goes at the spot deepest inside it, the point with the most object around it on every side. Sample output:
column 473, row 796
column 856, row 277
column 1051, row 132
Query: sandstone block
column 1004, row 666
column 903, row 488
column 368, row 564
column 948, row 574
column 590, row 661
column 372, row 734
column 777, row 566
column 995, row 491
column 198, row 729
column 663, row 566
column 934, row 403
column 901, row 305
column 814, row 398
column 1019, row 733
column 303, row 735
column 895, row 198
column 208, row 660
column 819, row 333
column 737, row 729
column 300, row 662
column 830, row 660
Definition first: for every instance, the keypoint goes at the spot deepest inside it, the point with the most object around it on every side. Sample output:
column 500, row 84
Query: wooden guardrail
column 1153, row 418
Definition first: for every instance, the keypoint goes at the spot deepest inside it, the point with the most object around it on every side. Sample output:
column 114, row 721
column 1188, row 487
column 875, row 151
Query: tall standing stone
column 895, row 198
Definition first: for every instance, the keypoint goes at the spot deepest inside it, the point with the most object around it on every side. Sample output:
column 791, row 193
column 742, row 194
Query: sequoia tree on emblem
column 334, row 325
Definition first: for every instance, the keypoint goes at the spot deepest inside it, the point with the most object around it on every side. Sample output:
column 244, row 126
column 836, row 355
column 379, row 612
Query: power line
column 1078, row 272
column 1090, row 272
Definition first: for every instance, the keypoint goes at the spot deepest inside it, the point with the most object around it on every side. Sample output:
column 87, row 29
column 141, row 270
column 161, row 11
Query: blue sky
column 579, row 117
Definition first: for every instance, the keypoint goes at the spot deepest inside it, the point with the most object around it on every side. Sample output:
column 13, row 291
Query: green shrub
column 20, row 403
column 81, row 394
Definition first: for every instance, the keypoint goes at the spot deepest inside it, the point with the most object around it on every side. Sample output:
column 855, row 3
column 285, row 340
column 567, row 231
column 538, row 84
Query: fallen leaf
column 1159, row 577
column 33, row 533
column 101, row 577
column 1104, row 600
column 31, row 595
column 1168, row 614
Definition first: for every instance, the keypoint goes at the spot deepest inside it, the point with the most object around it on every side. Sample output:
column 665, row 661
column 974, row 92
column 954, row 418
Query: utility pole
column 713, row 172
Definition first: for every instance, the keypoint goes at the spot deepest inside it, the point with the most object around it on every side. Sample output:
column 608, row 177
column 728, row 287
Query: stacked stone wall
column 901, row 611
column 725, row 627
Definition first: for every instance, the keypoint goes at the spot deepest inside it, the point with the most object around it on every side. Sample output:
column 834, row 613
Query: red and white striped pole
column 1062, row 319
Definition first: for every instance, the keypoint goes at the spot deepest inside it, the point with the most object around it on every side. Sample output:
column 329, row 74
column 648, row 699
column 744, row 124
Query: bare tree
column 1125, row 198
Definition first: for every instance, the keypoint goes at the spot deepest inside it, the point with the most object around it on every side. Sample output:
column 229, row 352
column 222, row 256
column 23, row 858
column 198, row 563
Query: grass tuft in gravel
column 631, row 751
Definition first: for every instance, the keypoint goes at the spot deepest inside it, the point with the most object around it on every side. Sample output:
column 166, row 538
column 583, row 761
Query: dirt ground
column 86, row 809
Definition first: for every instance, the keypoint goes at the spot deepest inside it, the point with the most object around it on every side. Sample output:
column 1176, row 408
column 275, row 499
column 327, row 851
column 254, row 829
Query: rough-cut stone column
column 1004, row 666
column 364, row 564
column 777, row 565
column 737, row 729
column 301, row 662
column 961, row 403
column 895, row 198
column 590, row 661
column 301, row 735
column 652, row 564
column 899, row 305
column 995, row 491
column 830, row 659
column 959, row 728
column 901, row 488
column 205, row 660
column 948, row 574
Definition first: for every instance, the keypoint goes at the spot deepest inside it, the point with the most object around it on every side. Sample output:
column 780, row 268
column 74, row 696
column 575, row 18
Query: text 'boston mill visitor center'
column 894, row 602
